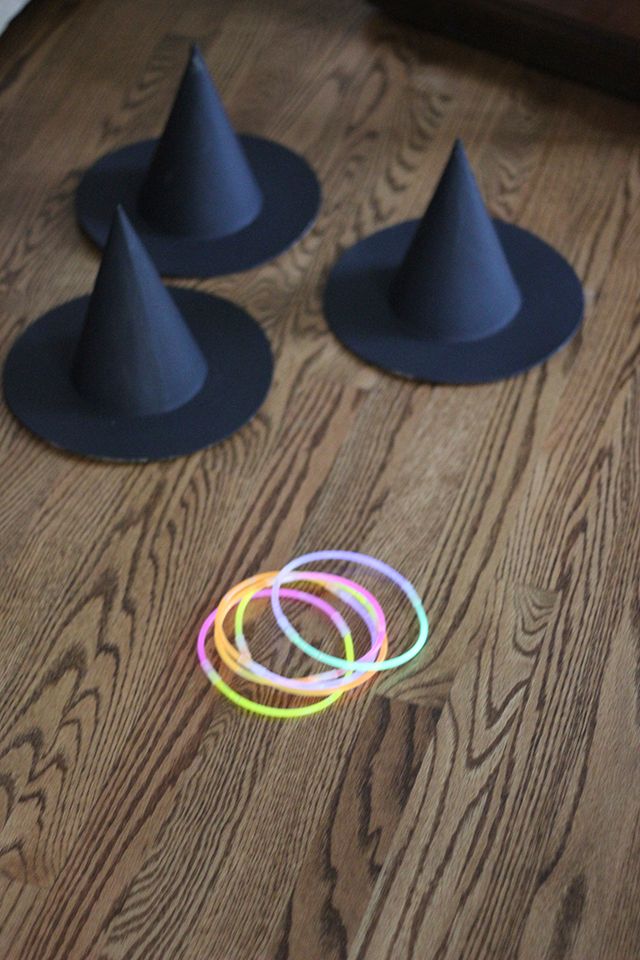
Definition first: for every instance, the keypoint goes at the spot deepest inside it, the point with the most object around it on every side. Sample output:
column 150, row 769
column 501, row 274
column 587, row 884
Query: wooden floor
column 482, row 803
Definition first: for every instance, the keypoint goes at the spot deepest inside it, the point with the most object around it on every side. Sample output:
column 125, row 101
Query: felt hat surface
column 203, row 200
column 137, row 371
column 455, row 297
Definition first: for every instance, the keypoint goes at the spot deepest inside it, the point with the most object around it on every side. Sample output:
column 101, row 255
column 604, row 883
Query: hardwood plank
column 339, row 872
column 146, row 661
column 18, row 907
column 479, row 838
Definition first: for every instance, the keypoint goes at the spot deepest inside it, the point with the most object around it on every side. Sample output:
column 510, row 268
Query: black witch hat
column 455, row 297
column 137, row 371
column 204, row 201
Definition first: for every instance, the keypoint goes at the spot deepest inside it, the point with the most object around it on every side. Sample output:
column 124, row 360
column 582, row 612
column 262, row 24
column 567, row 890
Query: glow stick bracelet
column 360, row 558
column 241, row 662
column 355, row 597
column 260, row 580
column 282, row 713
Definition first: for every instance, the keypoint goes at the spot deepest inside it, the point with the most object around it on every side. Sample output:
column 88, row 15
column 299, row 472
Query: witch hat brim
column 359, row 312
column 290, row 202
column 39, row 388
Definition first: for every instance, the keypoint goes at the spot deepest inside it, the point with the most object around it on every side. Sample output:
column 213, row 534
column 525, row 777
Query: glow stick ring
column 345, row 589
column 355, row 597
column 262, row 579
column 294, row 686
column 360, row 558
column 283, row 713
column 351, row 593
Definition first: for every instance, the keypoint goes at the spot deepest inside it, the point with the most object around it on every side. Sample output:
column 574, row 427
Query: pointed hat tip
column 121, row 222
column 458, row 152
column 458, row 166
column 196, row 60
column 123, row 236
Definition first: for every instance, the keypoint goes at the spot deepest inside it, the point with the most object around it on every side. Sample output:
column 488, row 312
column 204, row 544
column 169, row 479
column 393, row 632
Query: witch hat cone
column 137, row 371
column 204, row 200
column 199, row 182
column 455, row 297
column 454, row 282
column 136, row 355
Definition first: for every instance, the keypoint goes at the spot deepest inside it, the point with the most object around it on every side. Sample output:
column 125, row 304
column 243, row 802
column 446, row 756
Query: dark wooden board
column 595, row 41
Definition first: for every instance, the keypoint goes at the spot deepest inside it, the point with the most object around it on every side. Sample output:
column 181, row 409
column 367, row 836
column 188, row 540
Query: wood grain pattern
column 483, row 801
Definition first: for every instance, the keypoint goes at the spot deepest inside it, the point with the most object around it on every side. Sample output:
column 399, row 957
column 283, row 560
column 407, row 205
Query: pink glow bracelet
column 251, row 705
